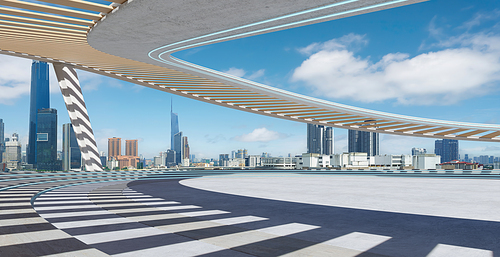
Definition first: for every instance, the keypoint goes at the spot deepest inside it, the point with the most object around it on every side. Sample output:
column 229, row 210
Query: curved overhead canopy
column 134, row 40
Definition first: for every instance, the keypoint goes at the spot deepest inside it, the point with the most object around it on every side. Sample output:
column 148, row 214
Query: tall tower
column 363, row 142
column 131, row 147
column 114, row 147
column 185, row 148
column 328, row 141
column 71, row 154
column 319, row 139
column 178, row 147
column 39, row 99
column 174, row 126
column 46, row 140
column 2, row 140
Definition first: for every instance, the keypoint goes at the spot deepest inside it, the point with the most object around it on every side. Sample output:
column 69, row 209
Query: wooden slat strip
column 82, row 5
column 491, row 135
column 44, row 27
column 50, row 9
column 475, row 132
column 450, row 132
column 43, row 16
column 414, row 128
column 42, row 22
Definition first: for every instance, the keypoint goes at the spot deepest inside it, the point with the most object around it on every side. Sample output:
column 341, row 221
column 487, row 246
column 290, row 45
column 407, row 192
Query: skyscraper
column 178, row 147
column 71, row 154
column 319, row 139
column 174, row 126
column 2, row 140
column 363, row 142
column 39, row 99
column 185, row 148
column 114, row 147
column 46, row 140
column 447, row 149
column 328, row 141
column 131, row 148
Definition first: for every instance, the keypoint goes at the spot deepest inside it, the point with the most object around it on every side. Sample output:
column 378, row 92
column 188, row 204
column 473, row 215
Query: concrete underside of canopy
column 140, row 26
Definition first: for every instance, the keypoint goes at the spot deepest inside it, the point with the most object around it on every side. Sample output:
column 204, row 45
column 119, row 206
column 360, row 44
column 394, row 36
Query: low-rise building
column 455, row 164
column 279, row 162
column 426, row 161
column 394, row 161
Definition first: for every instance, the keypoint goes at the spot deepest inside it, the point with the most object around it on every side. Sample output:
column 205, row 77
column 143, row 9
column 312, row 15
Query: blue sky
column 438, row 59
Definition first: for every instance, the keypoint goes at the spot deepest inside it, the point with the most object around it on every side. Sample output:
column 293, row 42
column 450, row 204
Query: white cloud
column 351, row 40
column 440, row 77
column 260, row 135
column 14, row 78
column 241, row 73
column 236, row 72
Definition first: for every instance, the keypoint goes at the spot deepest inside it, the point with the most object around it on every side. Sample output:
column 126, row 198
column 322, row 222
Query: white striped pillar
column 73, row 98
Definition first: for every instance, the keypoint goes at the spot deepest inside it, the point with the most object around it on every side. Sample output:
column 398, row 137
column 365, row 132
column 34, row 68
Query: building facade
column 418, row 151
column 2, row 140
column 174, row 127
column 39, row 99
column 319, row 139
column 363, row 142
column 178, row 147
column 114, row 147
column 13, row 153
column 185, row 148
column 46, row 140
column 71, row 154
column 131, row 148
column 447, row 149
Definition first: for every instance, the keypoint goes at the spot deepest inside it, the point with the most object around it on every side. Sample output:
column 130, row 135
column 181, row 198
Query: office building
column 363, row 142
column 223, row 159
column 185, row 148
column 13, row 153
column 2, row 140
column 71, row 154
column 418, row 151
column 178, row 147
column 171, row 158
column 242, row 153
column 319, row 139
column 131, row 148
column 114, row 147
column 447, row 149
column 46, row 140
column 39, row 99
column 174, row 126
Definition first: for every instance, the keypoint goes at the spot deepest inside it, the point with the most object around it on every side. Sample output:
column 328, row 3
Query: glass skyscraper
column 363, row 142
column 174, row 128
column 2, row 140
column 46, row 140
column 39, row 99
column 71, row 154
column 319, row 139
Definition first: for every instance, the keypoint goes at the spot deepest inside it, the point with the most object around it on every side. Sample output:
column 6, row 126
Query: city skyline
column 211, row 126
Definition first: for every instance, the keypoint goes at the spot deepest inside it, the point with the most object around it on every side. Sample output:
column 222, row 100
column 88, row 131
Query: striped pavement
column 102, row 213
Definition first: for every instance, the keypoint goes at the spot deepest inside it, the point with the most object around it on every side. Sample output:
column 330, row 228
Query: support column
column 73, row 98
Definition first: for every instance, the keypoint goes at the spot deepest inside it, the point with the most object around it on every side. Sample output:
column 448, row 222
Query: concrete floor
column 277, row 214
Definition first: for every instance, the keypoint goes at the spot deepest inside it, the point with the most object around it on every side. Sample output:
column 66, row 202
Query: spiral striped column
column 73, row 98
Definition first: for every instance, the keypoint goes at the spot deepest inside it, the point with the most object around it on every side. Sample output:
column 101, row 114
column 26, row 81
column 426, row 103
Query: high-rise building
column 178, row 147
column 2, row 140
column 46, row 140
column 13, row 153
column 363, row 142
column 418, row 151
column 223, row 159
column 171, row 158
column 131, row 148
column 174, row 126
column 39, row 99
column 185, row 148
column 327, row 142
column 71, row 154
column 447, row 149
column 319, row 139
column 466, row 158
column 242, row 153
column 114, row 147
